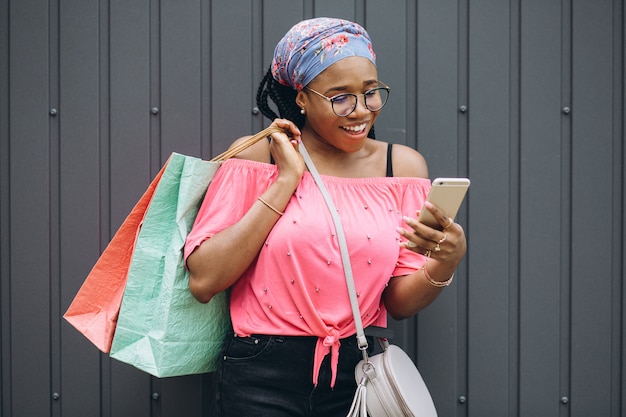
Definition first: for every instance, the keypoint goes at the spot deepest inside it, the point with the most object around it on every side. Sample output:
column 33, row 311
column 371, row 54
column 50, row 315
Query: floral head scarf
column 313, row 45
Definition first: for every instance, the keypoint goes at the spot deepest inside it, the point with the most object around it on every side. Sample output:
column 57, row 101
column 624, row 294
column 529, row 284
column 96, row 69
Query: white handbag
column 388, row 383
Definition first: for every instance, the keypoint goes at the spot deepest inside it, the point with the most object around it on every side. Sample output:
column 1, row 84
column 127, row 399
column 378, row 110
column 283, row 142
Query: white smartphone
column 447, row 194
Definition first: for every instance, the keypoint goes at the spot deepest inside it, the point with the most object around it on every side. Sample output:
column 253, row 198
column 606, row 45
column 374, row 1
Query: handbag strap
column 343, row 246
column 247, row 143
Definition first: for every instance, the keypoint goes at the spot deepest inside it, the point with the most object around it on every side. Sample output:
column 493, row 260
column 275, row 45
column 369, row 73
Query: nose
column 360, row 108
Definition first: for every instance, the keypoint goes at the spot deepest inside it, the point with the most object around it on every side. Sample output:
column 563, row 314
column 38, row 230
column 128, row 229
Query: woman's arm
column 408, row 294
column 219, row 261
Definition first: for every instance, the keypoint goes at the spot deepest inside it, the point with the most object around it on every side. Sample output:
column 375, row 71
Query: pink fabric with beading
column 297, row 286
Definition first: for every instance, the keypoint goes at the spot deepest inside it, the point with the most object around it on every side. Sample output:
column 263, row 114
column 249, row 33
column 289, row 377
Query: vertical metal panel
column 182, row 396
column 232, row 86
column 29, row 208
column 540, row 189
column 5, row 217
column 493, row 187
column 619, row 156
column 390, row 47
column 180, row 115
column 129, row 159
column 291, row 12
column 332, row 8
column 78, row 157
column 593, row 177
column 180, row 77
column 437, row 139
column 130, row 105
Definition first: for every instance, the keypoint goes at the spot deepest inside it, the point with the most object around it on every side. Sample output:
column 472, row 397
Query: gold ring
column 449, row 224
column 443, row 239
column 427, row 254
column 437, row 248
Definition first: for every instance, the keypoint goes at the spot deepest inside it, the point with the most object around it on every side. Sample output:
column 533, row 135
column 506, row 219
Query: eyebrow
column 342, row 88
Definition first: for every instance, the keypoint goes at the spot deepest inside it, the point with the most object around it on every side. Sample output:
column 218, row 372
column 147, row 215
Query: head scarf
column 313, row 45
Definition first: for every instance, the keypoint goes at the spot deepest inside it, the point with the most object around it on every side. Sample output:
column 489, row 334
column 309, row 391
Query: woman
column 266, row 233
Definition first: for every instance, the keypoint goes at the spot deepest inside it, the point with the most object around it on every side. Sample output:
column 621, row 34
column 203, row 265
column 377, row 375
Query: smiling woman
column 265, row 232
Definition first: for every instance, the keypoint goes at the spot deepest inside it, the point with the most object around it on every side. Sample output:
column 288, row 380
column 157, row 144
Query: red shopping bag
column 96, row 306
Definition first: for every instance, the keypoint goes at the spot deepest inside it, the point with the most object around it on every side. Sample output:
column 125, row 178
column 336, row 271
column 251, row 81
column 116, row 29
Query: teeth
column 355, row 128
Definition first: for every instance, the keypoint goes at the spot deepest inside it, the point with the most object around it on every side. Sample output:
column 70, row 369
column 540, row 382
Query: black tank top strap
column 271, row 156
column 389, row 163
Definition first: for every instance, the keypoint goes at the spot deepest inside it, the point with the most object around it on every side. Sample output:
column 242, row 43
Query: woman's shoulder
column 407, row 162
column 259, row 152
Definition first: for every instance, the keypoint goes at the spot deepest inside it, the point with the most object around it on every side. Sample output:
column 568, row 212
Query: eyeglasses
column 344, row 104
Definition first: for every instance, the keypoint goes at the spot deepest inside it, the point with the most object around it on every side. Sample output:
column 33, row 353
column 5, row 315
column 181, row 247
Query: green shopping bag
column 162, row 329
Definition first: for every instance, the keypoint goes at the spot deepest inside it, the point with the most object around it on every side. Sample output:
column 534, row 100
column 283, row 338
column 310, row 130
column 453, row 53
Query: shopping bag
column 95, row 308
column 162, row 329
column 156, row 343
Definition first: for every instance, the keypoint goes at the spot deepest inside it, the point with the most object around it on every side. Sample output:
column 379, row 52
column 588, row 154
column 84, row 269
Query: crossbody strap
column 343, row 246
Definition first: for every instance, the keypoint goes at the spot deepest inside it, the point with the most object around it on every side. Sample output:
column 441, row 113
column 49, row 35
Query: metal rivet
column 564, row 400
column 462, row 399
column 155, row 396
column 288, row 253
column 56, row 396
column 301, row 317
column 155, row 110
column 264, row 289
column 369, row 261
column 53, row 112
column 255, row 110
column 317, row 290
column 327, row 262
column 463, row 109
column 566, row 110
column 292, row 281
column 366, row 207
column 270, row 307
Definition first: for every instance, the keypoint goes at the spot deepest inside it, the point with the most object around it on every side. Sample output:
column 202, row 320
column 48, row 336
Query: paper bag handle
column 247, row 143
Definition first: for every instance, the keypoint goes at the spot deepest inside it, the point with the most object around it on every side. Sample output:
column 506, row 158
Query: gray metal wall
column 524, row 96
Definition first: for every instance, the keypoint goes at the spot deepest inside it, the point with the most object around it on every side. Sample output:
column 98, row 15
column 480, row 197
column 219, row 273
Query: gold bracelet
column 274, row 209
column 438, row 284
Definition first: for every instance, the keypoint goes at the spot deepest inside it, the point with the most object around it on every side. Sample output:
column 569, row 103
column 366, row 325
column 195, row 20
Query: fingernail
column 428, row 204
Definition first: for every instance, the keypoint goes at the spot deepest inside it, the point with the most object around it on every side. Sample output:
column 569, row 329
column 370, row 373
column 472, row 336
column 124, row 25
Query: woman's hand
column 447, row 245
column 405, row 295
column 284, row 150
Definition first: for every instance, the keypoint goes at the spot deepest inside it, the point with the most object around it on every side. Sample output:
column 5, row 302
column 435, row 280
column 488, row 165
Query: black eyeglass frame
column 332, row 99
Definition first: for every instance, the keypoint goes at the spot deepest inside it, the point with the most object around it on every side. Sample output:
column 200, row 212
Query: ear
column 301, row 99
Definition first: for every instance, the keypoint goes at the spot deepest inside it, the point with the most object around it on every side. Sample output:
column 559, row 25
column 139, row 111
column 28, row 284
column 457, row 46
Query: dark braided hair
column 285, row 100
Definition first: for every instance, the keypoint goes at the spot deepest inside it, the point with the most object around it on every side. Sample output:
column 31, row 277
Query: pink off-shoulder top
column 297, row 286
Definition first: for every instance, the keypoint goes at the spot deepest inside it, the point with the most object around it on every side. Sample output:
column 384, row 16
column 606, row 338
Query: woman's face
column 354, row 75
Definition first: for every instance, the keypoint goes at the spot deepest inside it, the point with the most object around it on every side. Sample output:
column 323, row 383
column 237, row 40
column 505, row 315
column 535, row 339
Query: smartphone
column 447, row 194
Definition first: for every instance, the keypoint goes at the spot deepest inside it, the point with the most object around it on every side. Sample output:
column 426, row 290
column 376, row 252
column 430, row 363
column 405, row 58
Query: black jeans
column 272, row 376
